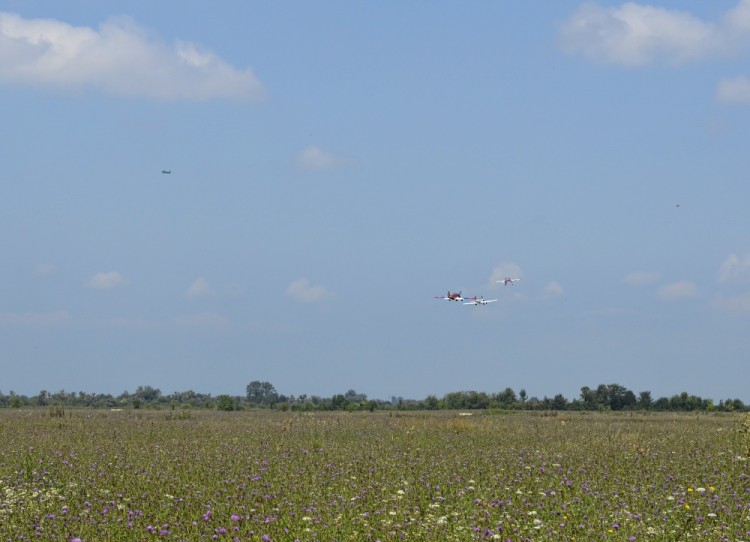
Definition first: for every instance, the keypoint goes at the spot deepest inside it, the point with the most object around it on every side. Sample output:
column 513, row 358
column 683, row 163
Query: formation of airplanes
column 457, row 296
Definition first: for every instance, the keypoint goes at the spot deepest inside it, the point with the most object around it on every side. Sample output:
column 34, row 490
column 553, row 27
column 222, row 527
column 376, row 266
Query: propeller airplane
column 478, row 301
column 507, row 281
column 455, row 296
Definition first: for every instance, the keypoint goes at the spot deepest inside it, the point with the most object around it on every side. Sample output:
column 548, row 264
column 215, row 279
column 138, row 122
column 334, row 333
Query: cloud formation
column 733, row 90
column 119, row 58
column 737, row 305
column 641, row 278
column 633, row 34
column 199, row 288
column 735, row 269
column 678, row 290
column 313, row 158
column 553, row 288
column 102, row 281
column 301, row 290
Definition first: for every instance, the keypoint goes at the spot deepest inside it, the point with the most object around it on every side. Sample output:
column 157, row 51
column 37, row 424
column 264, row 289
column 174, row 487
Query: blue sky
column 335, row 165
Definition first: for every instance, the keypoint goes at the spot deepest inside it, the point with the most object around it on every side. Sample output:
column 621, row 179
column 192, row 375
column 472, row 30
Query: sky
column 336, row 165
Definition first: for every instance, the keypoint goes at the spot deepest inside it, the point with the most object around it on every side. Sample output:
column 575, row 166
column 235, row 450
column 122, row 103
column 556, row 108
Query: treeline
column 605, row 397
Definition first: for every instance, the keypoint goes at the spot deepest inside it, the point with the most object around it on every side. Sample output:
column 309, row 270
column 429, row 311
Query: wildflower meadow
column 133, row 475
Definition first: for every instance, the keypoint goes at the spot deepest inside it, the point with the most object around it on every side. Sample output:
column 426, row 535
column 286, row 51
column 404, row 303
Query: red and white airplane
column 507, row 281
column 455, row 296
column 478, row 301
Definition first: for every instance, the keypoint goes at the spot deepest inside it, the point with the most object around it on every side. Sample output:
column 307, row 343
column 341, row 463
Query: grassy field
column 235, row 476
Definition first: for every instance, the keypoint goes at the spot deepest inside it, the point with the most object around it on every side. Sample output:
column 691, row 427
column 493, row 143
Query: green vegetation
column 91, row 475
column 605, row 397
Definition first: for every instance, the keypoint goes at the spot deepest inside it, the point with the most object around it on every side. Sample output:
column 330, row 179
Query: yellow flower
column 690, row 489
column 687, row 506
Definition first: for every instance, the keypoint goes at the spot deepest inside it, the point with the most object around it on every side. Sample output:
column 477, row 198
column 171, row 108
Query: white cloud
column 35, row 319
column 641, row 278
column 199, row 288
column 634, row 34
column 553, row 288
column 678, row 290
column 503, row 271
column 206, row 319
column 120, row 58
column 734, row 269
column 313, row 158
column 106, row 280
column 738, row 305
column 733, row 90
column 301, row 290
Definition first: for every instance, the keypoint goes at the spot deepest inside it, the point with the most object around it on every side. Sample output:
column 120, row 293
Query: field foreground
column 237, row 476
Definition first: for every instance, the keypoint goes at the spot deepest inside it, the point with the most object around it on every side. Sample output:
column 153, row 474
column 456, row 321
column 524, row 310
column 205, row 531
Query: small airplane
column 166, row 171
column 479, row 301
column 455, row 296
column 507, row 281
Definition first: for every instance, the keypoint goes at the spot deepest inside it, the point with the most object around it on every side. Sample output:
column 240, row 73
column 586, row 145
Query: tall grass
column 137, row 475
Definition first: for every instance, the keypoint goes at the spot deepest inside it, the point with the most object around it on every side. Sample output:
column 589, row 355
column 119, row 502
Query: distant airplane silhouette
column 166, row 171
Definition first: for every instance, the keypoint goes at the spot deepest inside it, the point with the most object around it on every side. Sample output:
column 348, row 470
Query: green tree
column 589, row 398
column 507, row 397
column 148, row 394
column 225, row 403
column 522, row 395
column 431, row 402
column 559, row 402
column 339, row 402
column 261, row 393
column 645, row 402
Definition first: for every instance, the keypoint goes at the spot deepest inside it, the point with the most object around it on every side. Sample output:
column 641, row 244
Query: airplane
column 507, row 281
column 451, row 296
column 166, row 171
column 480, row 301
